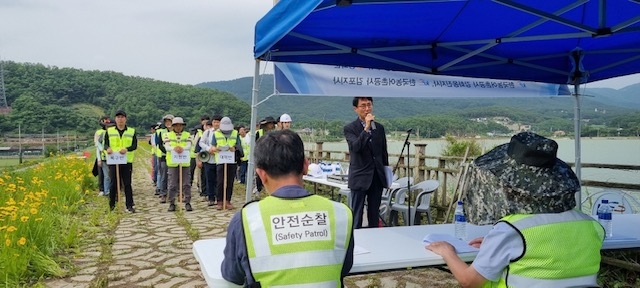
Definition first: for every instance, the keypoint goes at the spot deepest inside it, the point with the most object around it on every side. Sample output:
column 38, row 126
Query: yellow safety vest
column 117, row 142
column 103, row 153
column 561, row 250
column 221, row 140
column 194, row 144
column 175, row 142
column 295, row 242
column 246, row 149
column 159, row 132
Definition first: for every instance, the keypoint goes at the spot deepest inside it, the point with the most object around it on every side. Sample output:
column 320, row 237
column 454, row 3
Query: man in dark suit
column 367, row 157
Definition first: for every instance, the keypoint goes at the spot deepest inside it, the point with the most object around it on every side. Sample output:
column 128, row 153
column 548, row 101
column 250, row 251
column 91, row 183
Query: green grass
column 9, row 162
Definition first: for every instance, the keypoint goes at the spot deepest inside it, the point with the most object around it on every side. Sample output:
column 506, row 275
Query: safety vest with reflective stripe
column 560, row 250
column 175, row 142
column 101, row 133
column 194, row 144
column 221, row 140
column 246, row 149
column 160, row 132
column 297, row 242
column 116, row 142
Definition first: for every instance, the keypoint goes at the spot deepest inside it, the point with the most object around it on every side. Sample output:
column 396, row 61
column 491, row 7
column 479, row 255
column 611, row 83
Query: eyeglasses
column 364, row 106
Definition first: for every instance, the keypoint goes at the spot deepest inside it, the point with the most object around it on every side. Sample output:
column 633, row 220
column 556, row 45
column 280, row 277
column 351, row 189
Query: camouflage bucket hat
column 523, row 176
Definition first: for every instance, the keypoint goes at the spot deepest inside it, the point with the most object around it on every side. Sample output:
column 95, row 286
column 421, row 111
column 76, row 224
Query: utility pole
column 43, row 143
column 57, row 140
column 20, row 143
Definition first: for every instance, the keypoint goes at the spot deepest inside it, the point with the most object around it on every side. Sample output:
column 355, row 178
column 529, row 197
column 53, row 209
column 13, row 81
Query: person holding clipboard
column 120, row 143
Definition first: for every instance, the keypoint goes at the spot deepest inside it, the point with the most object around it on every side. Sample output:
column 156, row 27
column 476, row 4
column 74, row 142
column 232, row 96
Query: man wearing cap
column 539, row 239
column 210, row 166
column 285, row 121
column 225, row 139
column 179, row 142
column 121, row 139
column 104, row 182
column 161, row 153
column 255, row 257
column 267, row 124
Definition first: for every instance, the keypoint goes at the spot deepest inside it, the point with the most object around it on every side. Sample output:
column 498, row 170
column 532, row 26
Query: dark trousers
column 192, row 170
column 231, row 174
column 125, row 180
column 210, row 171
column 154, row 165
column 101, row 177
column 203, row 181
column 373, row 196
column 242, row 172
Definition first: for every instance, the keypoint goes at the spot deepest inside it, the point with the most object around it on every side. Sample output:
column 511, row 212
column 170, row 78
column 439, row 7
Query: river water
column 594, row 150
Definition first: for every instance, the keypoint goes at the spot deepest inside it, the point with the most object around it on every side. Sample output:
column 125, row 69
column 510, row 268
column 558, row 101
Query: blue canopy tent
column 561, row 41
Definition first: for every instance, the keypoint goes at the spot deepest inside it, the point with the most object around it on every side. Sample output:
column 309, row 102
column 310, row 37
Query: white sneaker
column 101, row 193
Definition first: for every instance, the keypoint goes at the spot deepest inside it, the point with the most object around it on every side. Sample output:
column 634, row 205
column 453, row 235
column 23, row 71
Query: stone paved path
column 152, row 248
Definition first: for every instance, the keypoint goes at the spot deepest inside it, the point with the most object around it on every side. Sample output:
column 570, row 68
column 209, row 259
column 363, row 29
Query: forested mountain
column 68, row 99
column 440, row 116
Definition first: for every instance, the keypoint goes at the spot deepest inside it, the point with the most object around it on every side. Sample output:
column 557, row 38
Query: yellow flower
column 22, row 241
column 11, row 228
column 33, row 211
column 7, row 242
column 24, row 218
column 11, row 202
column 38, row 219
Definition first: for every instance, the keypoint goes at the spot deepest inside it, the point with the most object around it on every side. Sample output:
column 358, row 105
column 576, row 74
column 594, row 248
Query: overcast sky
column 183, row 41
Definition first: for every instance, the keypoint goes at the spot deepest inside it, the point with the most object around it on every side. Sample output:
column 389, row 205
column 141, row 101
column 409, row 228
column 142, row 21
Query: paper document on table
column 357, row 250
column 461, row 246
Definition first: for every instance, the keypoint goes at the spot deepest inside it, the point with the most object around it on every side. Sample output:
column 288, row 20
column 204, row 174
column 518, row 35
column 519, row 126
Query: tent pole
column 252, row 132
column 576, row 129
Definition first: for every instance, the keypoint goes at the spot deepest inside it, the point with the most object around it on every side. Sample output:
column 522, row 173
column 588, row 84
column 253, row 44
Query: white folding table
column 401, row 247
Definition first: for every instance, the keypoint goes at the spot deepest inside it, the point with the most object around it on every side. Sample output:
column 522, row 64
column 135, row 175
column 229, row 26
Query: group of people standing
column 218, row 151
column 170, row 142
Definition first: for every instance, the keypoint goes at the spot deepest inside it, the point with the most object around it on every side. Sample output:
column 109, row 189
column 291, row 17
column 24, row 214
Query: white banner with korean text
column 326, row 80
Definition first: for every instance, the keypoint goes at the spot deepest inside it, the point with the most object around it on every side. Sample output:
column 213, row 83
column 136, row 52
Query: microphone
column 409, row 131
column 373, row 125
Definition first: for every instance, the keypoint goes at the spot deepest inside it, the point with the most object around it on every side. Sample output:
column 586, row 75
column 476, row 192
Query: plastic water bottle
column 460, row 222
column 604, row 217
column 337, row 168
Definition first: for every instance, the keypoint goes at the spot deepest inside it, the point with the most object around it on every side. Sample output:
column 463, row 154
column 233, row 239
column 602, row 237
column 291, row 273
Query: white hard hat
column 314, row 170
column 285, row 118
